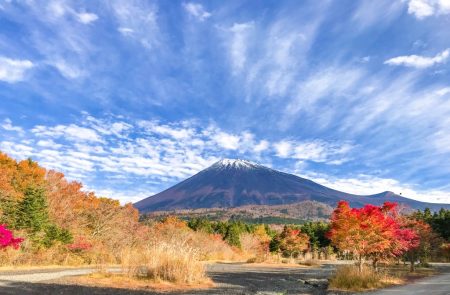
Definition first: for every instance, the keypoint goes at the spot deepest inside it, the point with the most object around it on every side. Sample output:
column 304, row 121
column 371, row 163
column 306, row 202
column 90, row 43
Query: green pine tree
column 32, row 213
column 232, row 235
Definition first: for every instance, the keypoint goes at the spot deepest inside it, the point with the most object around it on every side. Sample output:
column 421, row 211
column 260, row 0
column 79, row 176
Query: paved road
column 436, row 285
column 40, row 275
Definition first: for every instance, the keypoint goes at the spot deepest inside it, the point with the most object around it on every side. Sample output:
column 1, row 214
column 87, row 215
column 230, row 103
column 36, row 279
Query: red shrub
column 7, row 238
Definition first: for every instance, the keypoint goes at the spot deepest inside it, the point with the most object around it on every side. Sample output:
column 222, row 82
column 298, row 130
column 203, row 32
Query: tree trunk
column 411, row 266
column 375, row 264
column 360, row 263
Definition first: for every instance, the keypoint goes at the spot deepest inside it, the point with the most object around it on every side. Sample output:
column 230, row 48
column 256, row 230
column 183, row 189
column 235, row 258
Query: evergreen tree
column 54, row 233
column 232, row 235
column 32, row 213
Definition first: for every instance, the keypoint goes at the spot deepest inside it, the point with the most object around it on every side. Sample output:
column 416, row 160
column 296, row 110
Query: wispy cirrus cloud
column 417, row 61
column 196, row 10
column 60, row 9
column 239, row 44
column 315, row 150
column 138, row 20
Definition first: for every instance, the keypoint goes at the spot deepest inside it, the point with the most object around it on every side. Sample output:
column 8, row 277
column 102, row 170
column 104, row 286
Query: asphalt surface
column 435, row 285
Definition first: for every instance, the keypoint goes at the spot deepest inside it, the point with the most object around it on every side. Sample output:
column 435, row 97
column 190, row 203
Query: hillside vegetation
column 296, row 213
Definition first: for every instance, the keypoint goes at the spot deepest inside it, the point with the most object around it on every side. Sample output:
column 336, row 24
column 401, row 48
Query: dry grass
column 310, row 262
column 348, row 278
column 122, row 281
column 165, row 262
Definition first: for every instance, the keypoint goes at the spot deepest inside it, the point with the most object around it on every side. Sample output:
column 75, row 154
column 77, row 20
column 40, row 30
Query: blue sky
column 130, row 97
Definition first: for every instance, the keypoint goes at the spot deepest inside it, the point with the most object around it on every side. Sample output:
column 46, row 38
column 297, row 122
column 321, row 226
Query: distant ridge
column 233, row 183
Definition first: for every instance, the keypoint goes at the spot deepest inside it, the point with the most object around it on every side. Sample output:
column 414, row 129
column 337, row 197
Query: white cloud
column 197, row 10
column 14, row 70
column 176, row 132
column 283, row 149
column 125, row 31
column 227, row 141
column 86, row 18
column 16, row 149
column 261, row 146
column 69, row 132
column 418, row 61
column 7, row 125
column 425, row 8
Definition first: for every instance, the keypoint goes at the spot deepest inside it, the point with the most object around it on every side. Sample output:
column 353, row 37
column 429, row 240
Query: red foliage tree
column 371, row 232
column 7, row 238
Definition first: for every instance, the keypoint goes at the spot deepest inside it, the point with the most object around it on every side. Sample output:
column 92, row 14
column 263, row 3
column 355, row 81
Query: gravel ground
column 229, row 279
column 233, row 279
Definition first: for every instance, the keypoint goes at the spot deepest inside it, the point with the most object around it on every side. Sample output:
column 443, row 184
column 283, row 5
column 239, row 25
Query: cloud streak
column 197, row 10
column 419, row 62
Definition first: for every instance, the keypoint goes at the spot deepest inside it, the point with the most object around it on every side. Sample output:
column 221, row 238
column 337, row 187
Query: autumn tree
column 427, row 242
column 290, row 242
column 371, row 232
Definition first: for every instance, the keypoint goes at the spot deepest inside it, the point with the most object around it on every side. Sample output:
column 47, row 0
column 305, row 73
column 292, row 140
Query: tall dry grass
column 164, row 262
column 349, row 278
column 170, row 251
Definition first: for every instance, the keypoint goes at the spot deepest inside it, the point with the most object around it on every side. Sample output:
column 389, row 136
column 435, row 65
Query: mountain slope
column 234, row 183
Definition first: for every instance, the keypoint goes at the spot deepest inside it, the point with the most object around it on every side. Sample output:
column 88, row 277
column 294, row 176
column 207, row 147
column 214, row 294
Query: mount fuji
column 234, row 183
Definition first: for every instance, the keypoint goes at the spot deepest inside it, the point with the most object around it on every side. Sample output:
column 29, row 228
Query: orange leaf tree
column 291, row 241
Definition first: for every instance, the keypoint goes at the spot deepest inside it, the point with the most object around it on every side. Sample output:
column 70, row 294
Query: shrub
column 7, row 238
column 80, row 244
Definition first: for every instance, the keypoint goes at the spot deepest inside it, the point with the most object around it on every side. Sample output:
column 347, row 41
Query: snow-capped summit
column 234, row 182
column 235, row 164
